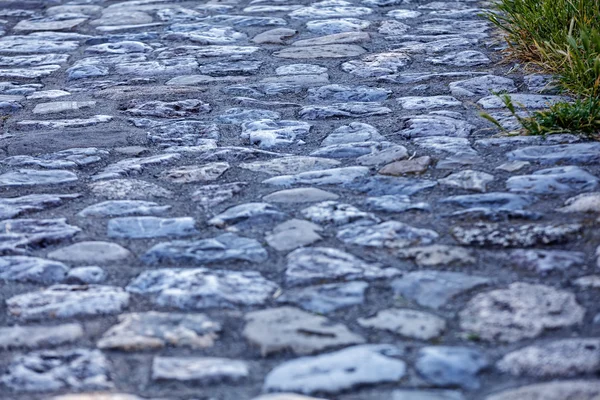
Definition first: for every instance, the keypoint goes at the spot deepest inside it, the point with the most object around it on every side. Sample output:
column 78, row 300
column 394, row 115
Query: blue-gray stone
column 150, row 227
column 451, row 366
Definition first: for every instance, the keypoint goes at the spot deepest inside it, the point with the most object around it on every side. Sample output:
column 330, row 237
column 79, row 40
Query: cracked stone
column 22, row 235
column 249, row 214
column 267, row 133
column 553, row 180
column 31, row 269
column 16, row 206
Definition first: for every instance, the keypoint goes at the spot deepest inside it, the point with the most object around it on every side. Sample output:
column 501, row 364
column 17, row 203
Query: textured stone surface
column 520, row 311
column 405, row 322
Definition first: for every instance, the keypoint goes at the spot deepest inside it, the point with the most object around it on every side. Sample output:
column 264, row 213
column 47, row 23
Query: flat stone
column 226, row 247
column 65, row 123
column 31, row 177
column 441, row 46
column 436, row 289
column 198, row 288
column 433, row 124
column 553, row 180
column 70, row 158
column 521, row 311
column 285, row 396
column 390, row 234
column 196, row 173
column 210, row 195
column 318, row 264
column 173, row 109
column 287, row 328
column 128, row 189
column 393, row 28
column 349, row 110
column 558, row 390
column 527, row 235
column 338, row 371
column 274, row 36
column 379, row 185
column 526, row 100
column 573, row 153
column 403, row 14
column 68, row 301
column 352, row 133
column 337, row 25
column 327, row 9
column 321, row 51
column 21, row 44
column 123, row 208
column 426, row 103
column 15, row 206
column 150, row 227
column 333, row 176
column 32, row 337
column 482, row 85
column 23, row 235
column 438, row 144
column 395, row 203
column 294, row 233
column 404, row 167
column 97, row 396
column 48, row 24
column 434, row 255
column 62, row 106
column 336, row 38
column 559, row 358
column 156, row 330
column 513, row 166
column 249, row 214
column 300, row 195
column 543, row 261
column 467, row 58
column 31, row 269
column 347, row 93
column 451, row 366
column 300, row 69
column 43, row 371
column 405, row 322
column 378, row 64
column 468, row 179
column 198, row 369
column 91, row 252
column 241, row 115
column 323, row 299
column 333, row 212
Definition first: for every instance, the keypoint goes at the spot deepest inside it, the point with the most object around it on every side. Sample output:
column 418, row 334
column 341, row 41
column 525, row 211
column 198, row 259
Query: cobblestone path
column 234, row 200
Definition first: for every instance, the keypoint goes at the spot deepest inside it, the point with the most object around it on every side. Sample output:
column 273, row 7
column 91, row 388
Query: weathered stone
column 574, row 153
column 267, row 133
column 379, row 64
column 553, row 180
column 128, row 189
column 338, row 371
column 527, row 235
column 433, row 124
column 334, row 176
column 31, row 269
column 226, row 247
column 150, row 227
column 21, row 235
column 86, row 275
column 197, row 288
column 543, row 261
column 321, row 51
column 65, row 123
column 274, row 36
column 163, row 109
column 439, row 144
column 467, row 58
column 435, row 289
column 94, row 252
column 318, row 264
column 336, row 38
column 332, row 212
column 558, row 390
column 323, row 299
column 559, row 358
column 32, row 337
column 419, row 103
column 451, row 366
column 156, row 330
column 524, row 100
column 249, row 214
column 413, row 166
column 434, row 255
column 337, row 25
column 31, row 177
column 15, row 206
column 285, row 328
column 210, row 195
column 196, row 173
column 349, row 110
column 67, row 301
column 123, row 208
column 468, row 179
column 390, row 234
column 78, row 369
column 347, row 93
column 482, row 85
column 410, row 323
column 521, row 311
column 198, row 369
column 62, row 106
column 395, row 203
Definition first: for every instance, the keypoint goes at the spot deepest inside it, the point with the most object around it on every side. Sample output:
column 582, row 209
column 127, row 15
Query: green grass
column 560, row 37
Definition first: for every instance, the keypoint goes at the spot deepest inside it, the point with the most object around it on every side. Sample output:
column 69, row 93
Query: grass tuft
column 560, row 37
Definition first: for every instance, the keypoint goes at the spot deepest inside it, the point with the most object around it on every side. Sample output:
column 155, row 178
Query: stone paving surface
column 286, row 200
